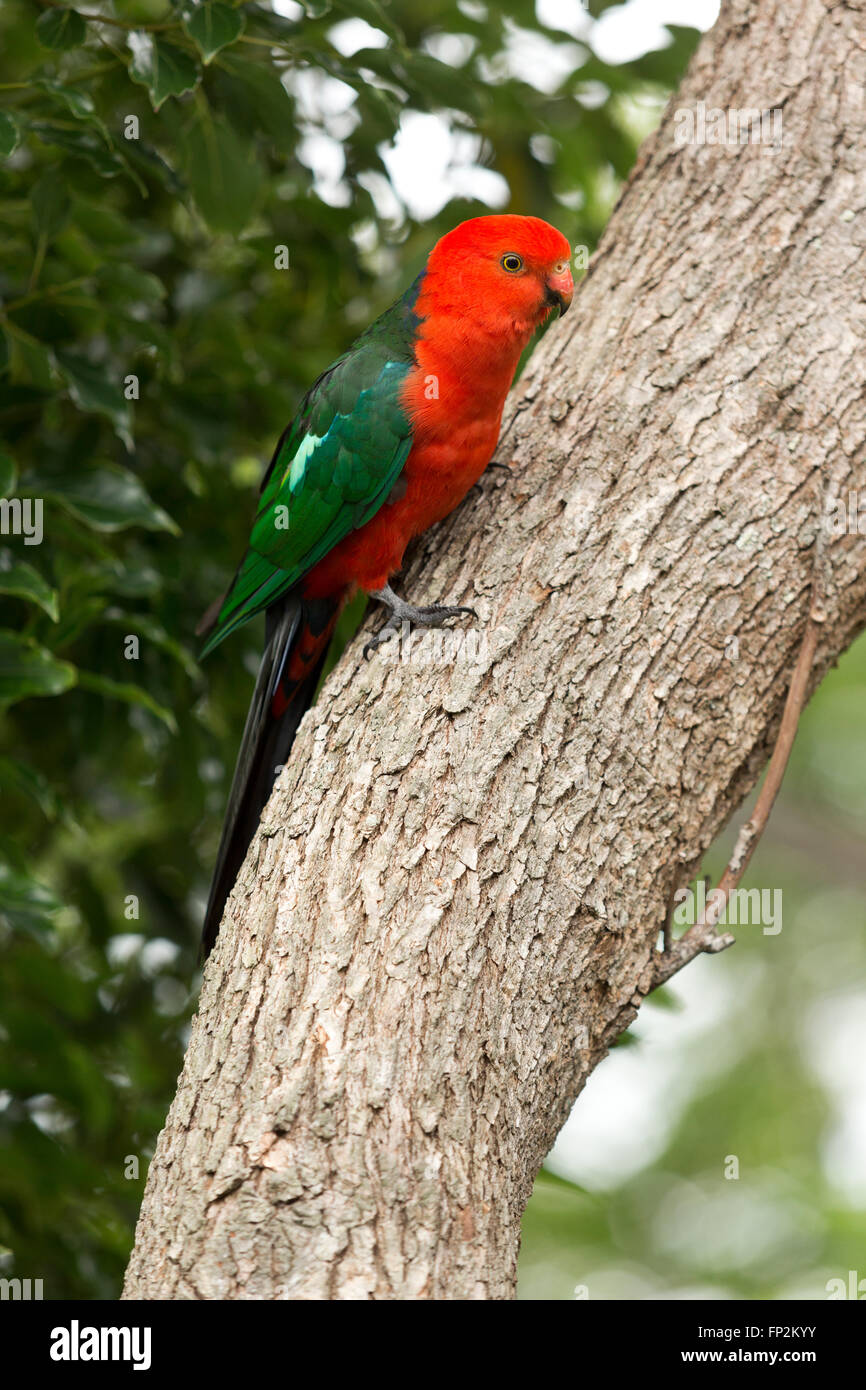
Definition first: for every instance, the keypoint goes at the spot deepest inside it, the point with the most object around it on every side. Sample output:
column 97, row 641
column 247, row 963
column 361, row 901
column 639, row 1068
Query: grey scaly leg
column 434, row 615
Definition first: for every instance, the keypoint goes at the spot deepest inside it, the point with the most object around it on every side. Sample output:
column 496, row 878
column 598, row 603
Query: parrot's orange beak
column 559, row 291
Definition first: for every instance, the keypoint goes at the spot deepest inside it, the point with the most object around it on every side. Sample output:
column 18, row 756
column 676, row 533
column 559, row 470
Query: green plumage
column 333, row 468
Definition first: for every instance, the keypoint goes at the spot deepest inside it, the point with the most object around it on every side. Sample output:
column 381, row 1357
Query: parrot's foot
column 434, row 615
column 505, row 467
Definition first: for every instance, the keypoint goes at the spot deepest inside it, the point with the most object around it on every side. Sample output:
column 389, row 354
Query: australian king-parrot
column 388, row 441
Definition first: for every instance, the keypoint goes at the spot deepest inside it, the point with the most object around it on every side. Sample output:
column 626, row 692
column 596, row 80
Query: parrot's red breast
column 477, row 317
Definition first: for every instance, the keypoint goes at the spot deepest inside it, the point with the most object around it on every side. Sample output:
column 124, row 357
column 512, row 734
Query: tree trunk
column 454, row 903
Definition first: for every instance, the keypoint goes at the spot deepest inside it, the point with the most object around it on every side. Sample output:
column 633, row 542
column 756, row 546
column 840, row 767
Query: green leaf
column 166, row 71
column 223, row 174
column 71, row 100
column 212, row 27
column 142, row 581
column 24, row 903
column 432, row 81
column 257, row 100
column 128, row 285
column 28, row 669
column 153, row 632
column 17, row 776
column 107, row 497
column 49, row 205
column 33, row 362
column 104, row 226
column 664, row 998
column 129, row 693
column 23, row 581
column 369, row 10
column 268, row 22
column 92, row 390
column 9, row 135
column 60, row 29
column 151, row 163
column 142, row 11
column 75, row 101
column 88, row 144
column 8, row 475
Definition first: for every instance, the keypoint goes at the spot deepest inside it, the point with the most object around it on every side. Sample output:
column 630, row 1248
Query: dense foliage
column 196, row 216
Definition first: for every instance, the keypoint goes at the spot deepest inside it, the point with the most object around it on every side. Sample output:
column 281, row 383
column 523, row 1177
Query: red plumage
column 477, row 319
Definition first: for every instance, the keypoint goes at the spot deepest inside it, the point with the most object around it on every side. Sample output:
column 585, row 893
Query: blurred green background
column 151, row 352
column 754, row 1055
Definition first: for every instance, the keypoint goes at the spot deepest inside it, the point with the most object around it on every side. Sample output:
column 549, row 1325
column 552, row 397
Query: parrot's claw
column 505, row 467
column 433, row 615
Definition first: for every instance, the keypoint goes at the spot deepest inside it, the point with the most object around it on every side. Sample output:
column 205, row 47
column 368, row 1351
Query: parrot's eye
column 560, row 268
column 511, row 262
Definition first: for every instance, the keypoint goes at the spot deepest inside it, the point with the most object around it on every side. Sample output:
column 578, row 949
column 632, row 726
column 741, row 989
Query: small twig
column 109, row 19
column 41, row 248
column 46, row 293
column 703, row 935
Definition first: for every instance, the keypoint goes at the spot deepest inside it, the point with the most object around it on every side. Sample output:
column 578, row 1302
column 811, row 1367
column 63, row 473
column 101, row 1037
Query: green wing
column 332, row 470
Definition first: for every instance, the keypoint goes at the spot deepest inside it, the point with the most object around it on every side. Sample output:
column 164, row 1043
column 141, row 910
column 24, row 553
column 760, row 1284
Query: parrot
column 387, row 442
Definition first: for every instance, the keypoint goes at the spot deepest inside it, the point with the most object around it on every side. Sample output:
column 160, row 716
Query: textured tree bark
column 453, row 905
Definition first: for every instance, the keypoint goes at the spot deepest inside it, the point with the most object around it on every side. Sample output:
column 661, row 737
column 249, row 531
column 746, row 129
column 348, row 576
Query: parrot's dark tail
column 298, row 632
